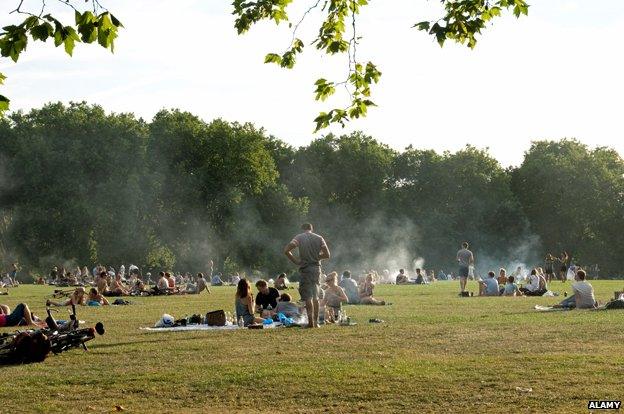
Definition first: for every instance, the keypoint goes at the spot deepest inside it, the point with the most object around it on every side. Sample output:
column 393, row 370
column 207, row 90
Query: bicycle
column 34, row 345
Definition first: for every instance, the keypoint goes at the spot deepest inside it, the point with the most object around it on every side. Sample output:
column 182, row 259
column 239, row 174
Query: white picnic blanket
column 541, row 308
column 191, row 328
column 202, row 328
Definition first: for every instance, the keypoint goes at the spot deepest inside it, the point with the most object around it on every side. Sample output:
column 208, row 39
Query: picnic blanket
column 541, row 308
column 191, row 328
column 203, row 327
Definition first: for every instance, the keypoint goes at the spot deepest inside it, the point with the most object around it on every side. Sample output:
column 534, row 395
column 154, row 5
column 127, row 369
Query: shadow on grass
column 146, row 341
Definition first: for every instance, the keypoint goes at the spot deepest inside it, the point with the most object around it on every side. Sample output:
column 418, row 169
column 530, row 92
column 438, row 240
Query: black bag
column 615, row 304
column 215, row 318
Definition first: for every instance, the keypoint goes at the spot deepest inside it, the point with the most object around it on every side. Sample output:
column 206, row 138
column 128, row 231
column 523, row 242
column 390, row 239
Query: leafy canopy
column 95, row 24
column 462, row 21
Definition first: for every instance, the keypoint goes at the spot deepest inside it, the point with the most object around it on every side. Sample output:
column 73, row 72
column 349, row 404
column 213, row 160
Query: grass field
column 436, row 352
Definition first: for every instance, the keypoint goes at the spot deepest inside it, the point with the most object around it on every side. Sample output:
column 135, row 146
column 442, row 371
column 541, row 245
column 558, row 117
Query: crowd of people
column 536, row 282
column 322, row 295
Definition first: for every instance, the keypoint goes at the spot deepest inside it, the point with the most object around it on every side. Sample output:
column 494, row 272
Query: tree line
column 80, row 185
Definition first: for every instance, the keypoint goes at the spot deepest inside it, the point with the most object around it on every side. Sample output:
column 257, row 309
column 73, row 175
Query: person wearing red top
column 20, row 314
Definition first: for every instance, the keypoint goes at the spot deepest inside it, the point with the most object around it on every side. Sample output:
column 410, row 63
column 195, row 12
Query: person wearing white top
column 583, row 297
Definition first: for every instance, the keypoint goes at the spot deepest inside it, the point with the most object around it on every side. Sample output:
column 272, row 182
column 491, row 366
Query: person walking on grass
column 465, row 259
column 312, row 249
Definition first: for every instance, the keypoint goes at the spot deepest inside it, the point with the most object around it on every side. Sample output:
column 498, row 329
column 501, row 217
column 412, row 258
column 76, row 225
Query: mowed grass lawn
column 435, row 352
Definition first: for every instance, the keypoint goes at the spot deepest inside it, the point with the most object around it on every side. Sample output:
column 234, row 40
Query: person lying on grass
column 76, row 298
column 511, row 288
column 334, row 296
column 489, row 286
column 583, row 297
column 94, row 298
column 21, row 315
column 244, row 303
column 366, row 292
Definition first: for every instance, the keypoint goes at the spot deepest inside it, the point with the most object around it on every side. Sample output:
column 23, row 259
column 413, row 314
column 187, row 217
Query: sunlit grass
column 435, row 352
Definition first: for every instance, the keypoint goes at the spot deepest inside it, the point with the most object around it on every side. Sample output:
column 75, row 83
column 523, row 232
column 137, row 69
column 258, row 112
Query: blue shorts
column 463, row 271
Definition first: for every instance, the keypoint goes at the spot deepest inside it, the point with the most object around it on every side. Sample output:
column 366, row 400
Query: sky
column 554, row 74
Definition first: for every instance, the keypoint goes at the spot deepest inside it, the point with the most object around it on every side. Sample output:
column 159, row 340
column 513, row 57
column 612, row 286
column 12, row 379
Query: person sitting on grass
column 96, row 299
column 76, row 298
column 199, row 286
column 402, row 278
column 536, row 286
column 244, row 303
column 102, row 283
column 334, row 296
column 281, row 283
column 502, row 277
column 266, row 299
column 162, row 285
column 366, row 292
column 118, row 288
column 286, row 306
column 432, row 277
column 171, row 284
column 489, row 286
column 583, row 297
column 511, row 288
column 21, row 315
column 216, row 280
column 350, row 287
column 420, row 280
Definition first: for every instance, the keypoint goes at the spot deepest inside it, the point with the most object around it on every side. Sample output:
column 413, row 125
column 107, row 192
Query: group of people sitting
column 421, row 278
column 503, row 285
column 269, row 302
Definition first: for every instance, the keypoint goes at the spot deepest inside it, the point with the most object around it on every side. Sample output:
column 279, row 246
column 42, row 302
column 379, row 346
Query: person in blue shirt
column 350, row 287
column 489, row 286
column 216, row 280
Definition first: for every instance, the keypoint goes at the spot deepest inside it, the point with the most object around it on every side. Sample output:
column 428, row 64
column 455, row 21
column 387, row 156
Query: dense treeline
column 83, row 186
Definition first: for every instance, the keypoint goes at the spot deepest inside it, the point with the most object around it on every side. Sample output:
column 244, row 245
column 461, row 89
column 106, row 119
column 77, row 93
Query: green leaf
column 42, row 32
column 422, row 26
column 273, row 58
column 4, row 103
column 2, row 78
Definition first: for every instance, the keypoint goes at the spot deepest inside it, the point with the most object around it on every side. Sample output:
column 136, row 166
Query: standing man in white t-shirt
column 465, row 259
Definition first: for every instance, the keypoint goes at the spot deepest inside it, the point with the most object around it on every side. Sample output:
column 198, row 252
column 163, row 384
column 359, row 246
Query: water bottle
column 241, row 323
